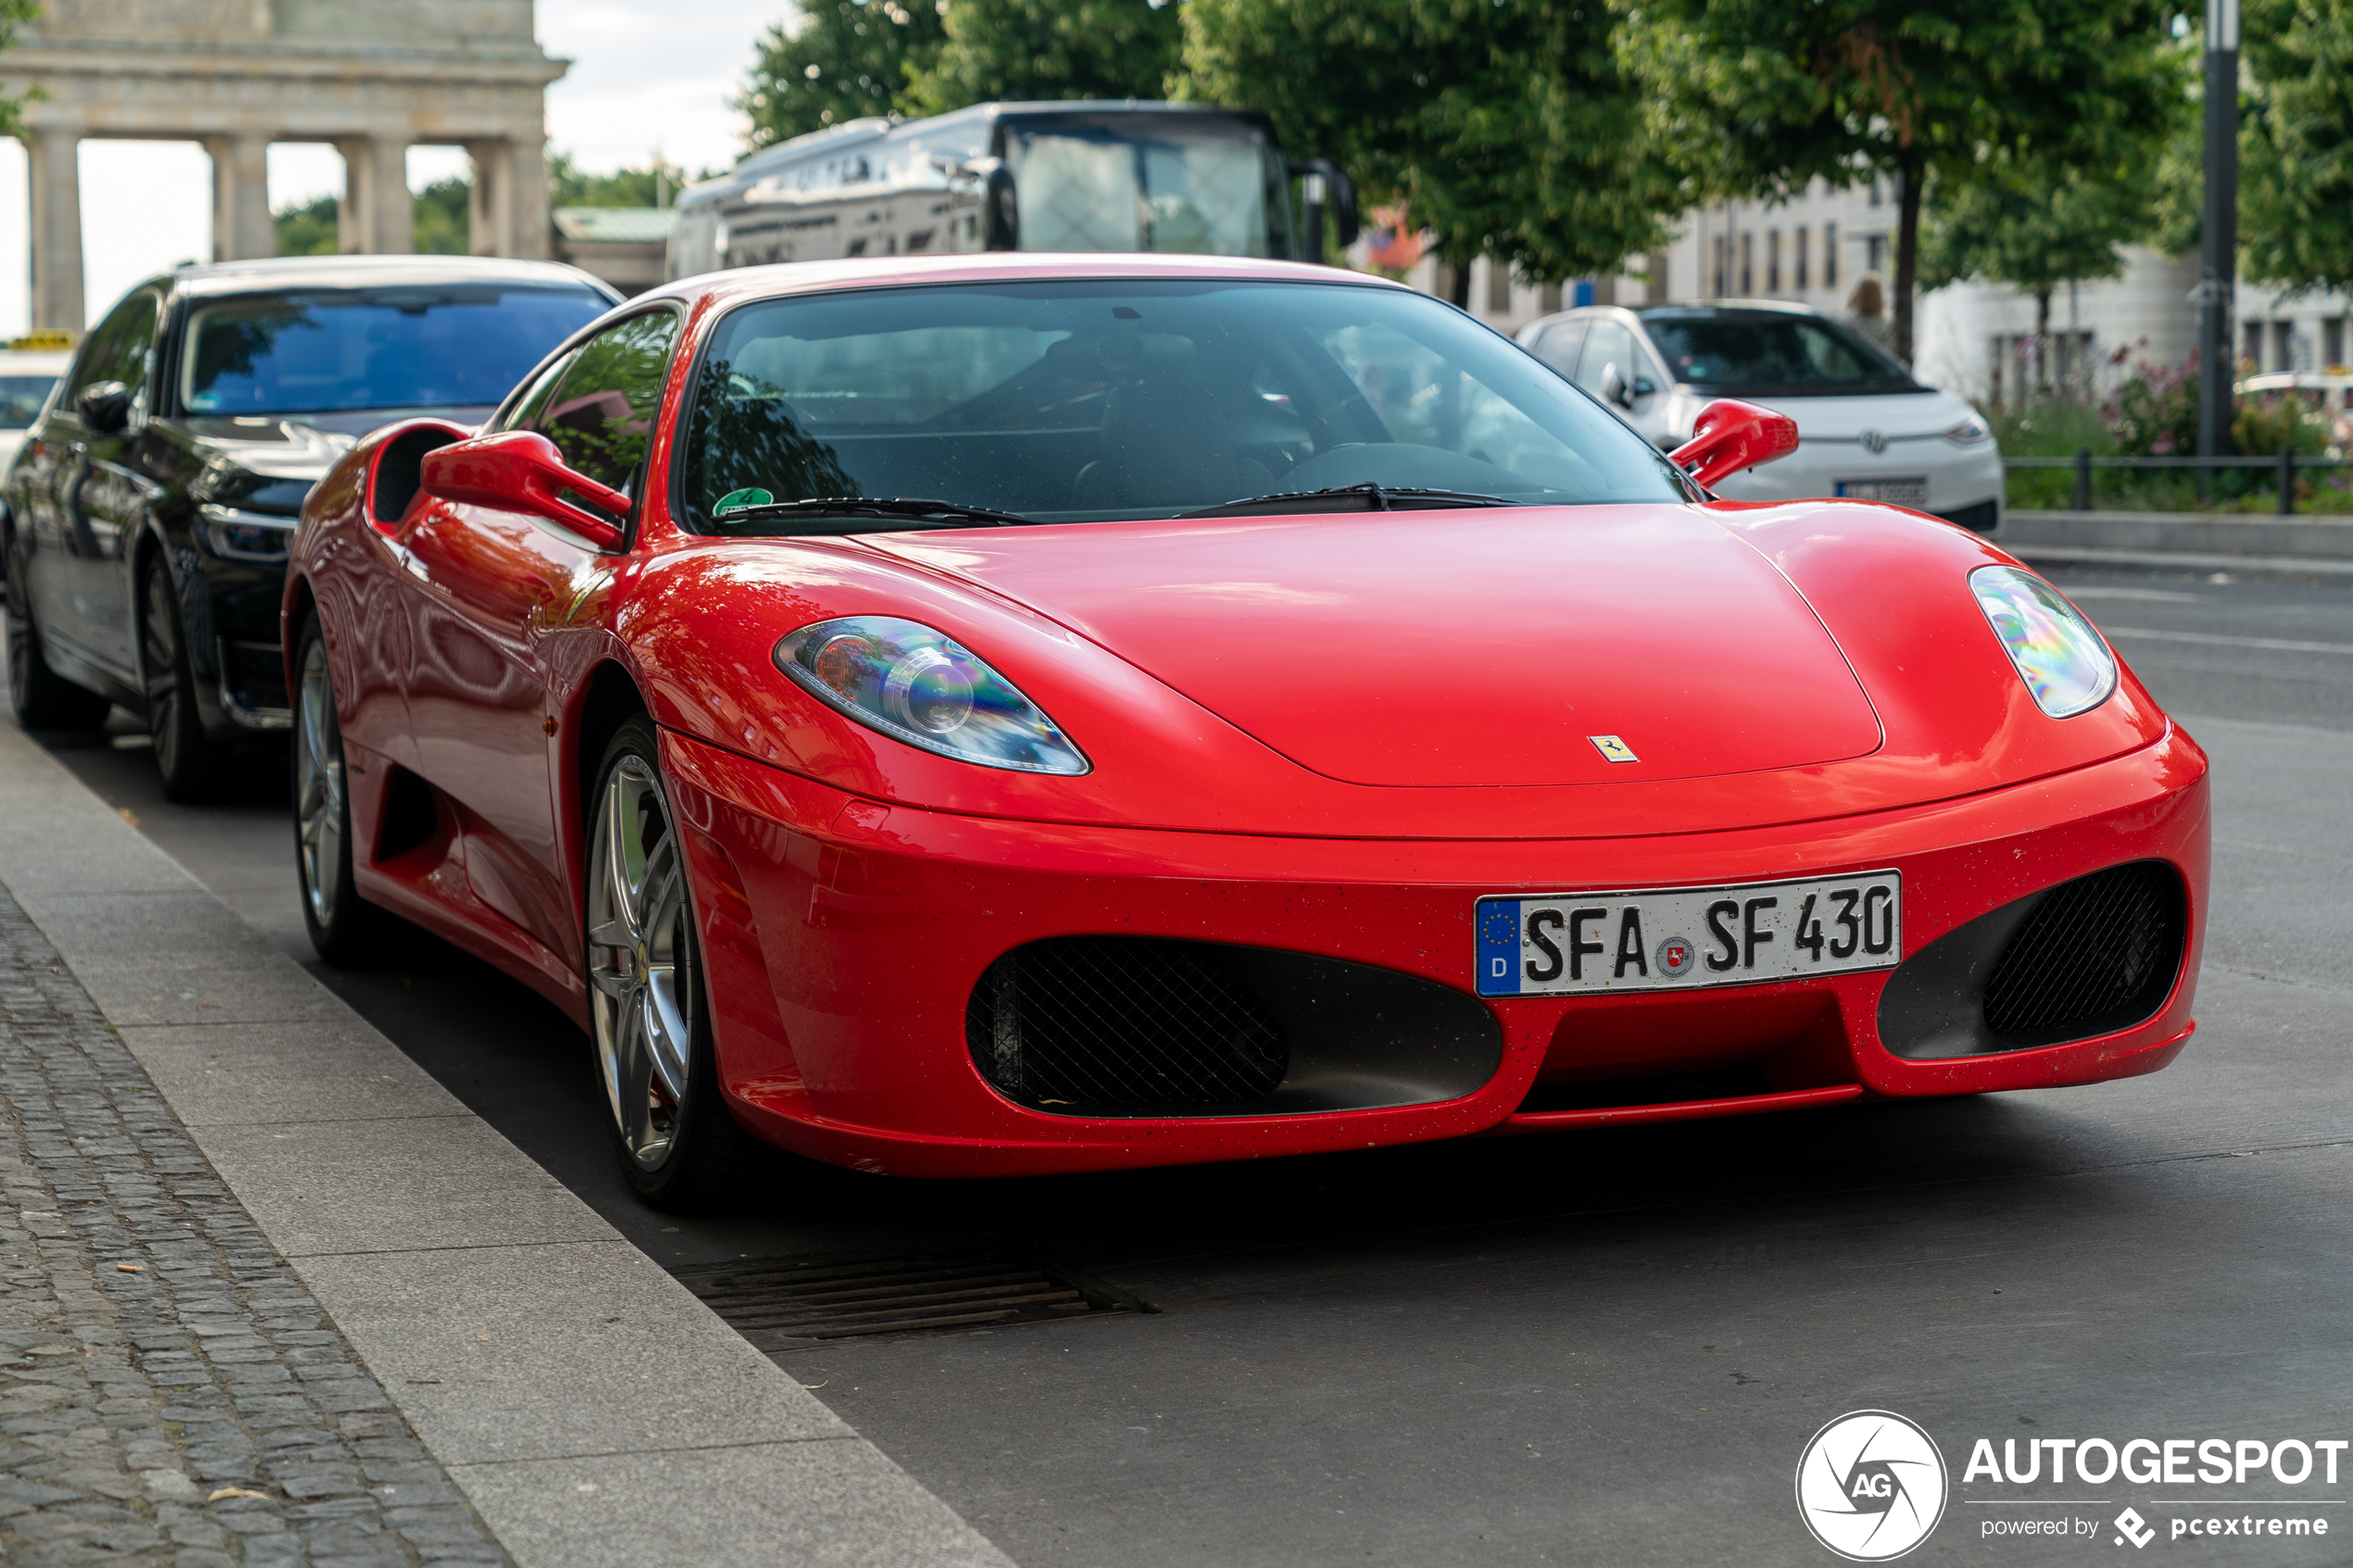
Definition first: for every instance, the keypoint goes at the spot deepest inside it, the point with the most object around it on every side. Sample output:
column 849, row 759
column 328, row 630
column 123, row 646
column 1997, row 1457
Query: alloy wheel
column 318, row 785
column 160, row 643
column 639, row 961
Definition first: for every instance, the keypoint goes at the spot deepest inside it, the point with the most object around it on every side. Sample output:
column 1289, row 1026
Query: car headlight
column 238, row 535
column 2061, row 658
column 918, row 685
column 1968, row 433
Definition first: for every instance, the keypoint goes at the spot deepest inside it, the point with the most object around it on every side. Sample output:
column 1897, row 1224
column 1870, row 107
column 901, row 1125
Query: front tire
column 185, row 756
column 649, row 1015
column 346, row 930
column 42, row 698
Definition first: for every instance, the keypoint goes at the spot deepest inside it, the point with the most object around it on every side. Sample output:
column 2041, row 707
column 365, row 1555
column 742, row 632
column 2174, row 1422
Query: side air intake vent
column 2086, row 958
column 1146, row 1026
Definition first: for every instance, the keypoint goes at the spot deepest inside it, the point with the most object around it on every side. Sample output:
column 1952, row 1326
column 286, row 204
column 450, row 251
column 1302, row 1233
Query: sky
column 646, row 76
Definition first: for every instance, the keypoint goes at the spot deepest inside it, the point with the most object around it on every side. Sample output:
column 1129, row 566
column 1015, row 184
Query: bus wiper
column 945, row 514
column 1353, row 498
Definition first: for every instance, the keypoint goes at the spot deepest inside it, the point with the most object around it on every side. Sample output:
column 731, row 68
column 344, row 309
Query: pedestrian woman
column 1867, row 313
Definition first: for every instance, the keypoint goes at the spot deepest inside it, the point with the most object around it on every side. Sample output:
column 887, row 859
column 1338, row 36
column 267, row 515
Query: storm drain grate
column 800, row 1303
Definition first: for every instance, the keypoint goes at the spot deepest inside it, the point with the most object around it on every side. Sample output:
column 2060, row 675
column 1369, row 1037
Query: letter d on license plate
column 1668, row 938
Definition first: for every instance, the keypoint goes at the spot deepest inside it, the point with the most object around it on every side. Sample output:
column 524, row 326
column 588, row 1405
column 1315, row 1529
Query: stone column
column 527, row 198
column 56, row 168
column 490, row 217
column 379, row 216
column 242, row 227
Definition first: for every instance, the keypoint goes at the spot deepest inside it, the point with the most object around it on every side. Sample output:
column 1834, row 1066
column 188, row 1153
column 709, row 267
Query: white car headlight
column 917, row 685
column 237, row 535
column 1968, row 433
column 2063, row 661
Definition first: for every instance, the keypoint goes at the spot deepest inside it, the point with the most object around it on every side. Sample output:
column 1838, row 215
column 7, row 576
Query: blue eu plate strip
column 1498, row 946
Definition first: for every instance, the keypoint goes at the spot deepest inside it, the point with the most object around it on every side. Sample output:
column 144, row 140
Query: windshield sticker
column 741, row 501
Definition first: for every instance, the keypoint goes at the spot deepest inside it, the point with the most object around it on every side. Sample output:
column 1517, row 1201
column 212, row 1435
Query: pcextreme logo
column 1871, row 1485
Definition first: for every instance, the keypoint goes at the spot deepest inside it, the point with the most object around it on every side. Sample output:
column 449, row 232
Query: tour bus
column 1077, row 175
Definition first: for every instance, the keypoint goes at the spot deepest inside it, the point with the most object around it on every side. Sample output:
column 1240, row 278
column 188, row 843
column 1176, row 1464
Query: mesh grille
column 2097, row 954
column 1082, row 1022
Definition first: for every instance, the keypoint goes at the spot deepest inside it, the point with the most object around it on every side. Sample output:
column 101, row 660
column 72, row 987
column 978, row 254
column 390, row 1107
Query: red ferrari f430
column 1022, row 714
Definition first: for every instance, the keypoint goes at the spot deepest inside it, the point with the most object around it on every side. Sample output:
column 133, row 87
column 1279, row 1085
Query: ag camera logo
column 1871, row 1485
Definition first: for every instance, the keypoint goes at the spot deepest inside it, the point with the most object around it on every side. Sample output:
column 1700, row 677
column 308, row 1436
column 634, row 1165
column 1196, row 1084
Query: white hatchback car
column 1866, row 429
column 27, row 376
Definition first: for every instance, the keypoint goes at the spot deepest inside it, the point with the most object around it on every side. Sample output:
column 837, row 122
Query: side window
column 123, row 348
column 1559, row 345
column 534, row 402
column 602, row 415
column 1608, row 343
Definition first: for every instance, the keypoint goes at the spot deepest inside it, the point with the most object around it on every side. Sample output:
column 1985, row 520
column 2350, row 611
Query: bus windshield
column 1206, row 185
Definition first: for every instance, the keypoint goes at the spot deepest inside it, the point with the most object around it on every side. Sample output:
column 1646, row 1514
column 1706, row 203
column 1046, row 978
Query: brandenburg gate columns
column 56, row 168
column 374, row 77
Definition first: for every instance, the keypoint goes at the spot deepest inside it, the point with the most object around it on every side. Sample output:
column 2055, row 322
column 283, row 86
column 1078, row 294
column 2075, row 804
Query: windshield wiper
column 1353, row 498
column 945, row 514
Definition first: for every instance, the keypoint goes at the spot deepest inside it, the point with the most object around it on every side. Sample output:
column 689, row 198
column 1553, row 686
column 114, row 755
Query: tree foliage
column 2296, row 193
column 851, row 59
column 1029, row 49
column 1780, row 94
column 311, row 228
column 653, row 185
column 1507, row 127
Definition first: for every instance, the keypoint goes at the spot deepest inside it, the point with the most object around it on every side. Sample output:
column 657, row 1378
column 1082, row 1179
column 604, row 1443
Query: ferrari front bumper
column 844, row 938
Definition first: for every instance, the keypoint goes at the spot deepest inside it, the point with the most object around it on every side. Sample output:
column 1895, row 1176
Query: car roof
column 369, row 272
column 781, row 278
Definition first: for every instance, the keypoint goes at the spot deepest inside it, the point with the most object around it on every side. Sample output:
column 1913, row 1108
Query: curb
column 596, row 1414
column 2325, row 537
column 2304, row 567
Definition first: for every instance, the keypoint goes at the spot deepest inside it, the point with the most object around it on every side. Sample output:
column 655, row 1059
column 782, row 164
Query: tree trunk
column 1458, row 286
column 2043, row 342
column 1908, row 249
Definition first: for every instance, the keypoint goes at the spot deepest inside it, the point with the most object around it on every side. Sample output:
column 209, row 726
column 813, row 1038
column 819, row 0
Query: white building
column 1974, row 339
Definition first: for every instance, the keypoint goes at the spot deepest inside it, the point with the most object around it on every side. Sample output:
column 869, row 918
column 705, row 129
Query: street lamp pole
column 2218, row 270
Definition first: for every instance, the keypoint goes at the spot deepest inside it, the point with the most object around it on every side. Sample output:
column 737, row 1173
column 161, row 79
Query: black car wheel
column 42, row 699
column 185, row 756
column 344, row 929
column 650, row 1014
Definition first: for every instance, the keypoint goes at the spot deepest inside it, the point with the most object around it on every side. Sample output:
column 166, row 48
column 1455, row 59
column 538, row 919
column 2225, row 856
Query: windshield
column 20, row 400
column 324, row 350
column 1083, row 400
column 1771, row 351
column 1205, row 186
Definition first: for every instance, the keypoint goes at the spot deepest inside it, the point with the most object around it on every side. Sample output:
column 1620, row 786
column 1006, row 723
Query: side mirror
column 1731, row 435
column 999, row 209
column 522, row 471
column 1644, row 386
column 1614, row 388
column 1324, row 184
column 105, row 407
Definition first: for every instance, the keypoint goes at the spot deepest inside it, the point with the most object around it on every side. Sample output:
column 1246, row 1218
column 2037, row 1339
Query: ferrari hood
column 1491, row 646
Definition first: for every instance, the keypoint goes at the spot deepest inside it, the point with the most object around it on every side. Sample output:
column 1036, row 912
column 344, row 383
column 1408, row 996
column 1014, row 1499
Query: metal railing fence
column 2285, row 464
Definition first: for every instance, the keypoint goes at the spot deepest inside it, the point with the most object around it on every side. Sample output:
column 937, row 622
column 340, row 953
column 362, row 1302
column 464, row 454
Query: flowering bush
column 2154, row 413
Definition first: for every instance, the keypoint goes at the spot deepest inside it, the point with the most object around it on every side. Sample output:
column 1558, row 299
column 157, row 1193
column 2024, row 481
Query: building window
column 1876, row 196
column 2252, row 347
column 1748, row 263
column 1801, row 261
column 1499, row 287
column 1829, row 256
column 1773, row 261
column 2333, row 339
column 1717, row 271
column 1874, row 251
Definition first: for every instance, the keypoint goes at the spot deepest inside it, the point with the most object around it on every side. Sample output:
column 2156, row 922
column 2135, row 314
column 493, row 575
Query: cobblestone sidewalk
column 169, row 1391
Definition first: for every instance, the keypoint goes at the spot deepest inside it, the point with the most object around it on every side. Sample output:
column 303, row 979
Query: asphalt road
column 1604, row 1348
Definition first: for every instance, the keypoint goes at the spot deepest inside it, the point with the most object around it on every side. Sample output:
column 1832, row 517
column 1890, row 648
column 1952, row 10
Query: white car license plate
column 1668, row 938
column 1895, row 492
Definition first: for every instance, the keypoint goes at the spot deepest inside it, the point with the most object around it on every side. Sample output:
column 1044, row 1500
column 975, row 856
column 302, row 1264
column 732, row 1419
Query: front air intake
column 2097, row 954
column 1124, row 1021
column 2088, row 957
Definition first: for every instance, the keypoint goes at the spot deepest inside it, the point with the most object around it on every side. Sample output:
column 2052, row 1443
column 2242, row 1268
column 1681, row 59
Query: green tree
column 1507, row 127
column 1780, row 94
column 311, row 228
column 15, row 17
column 653, row 185
column 1031, row 49
column 2034, row 227
column 444, row 220
column 2295, row 193
column 852, row 58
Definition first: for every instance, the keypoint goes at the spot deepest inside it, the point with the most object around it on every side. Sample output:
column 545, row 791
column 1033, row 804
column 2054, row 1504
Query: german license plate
column 1671, row 938
column 1895, row 492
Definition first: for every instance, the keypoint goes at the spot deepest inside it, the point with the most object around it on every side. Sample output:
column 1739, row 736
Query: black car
column 147, row 514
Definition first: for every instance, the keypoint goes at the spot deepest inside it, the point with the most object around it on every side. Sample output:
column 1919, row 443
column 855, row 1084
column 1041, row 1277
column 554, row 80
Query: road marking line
column 2281, row 645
